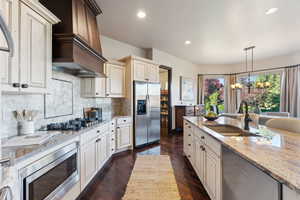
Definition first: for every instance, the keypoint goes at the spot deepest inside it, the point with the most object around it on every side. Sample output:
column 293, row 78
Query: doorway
column 165, row 77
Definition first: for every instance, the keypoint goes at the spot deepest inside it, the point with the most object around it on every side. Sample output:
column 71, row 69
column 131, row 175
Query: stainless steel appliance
column 52, row 176
column 242, row 180
column 146, row 113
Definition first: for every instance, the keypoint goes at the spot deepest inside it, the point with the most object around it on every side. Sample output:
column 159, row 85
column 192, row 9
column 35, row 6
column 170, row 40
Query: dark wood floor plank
column 110, row 183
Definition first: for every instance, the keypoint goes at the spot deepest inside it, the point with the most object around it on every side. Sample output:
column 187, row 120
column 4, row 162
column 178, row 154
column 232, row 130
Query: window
column 214, row 93
column 268, row 99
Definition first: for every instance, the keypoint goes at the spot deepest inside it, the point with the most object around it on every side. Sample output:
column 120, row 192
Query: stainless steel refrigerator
column 146, row 113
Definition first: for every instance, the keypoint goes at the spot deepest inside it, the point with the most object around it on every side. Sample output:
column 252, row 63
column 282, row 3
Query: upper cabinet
column 115, row 81
column 29, row 70
column 76, row 40
column 113, row 85
column 143, row 69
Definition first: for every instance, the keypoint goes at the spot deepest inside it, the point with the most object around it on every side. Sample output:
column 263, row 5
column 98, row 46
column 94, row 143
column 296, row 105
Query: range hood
column 76, row 39
column 8, row 37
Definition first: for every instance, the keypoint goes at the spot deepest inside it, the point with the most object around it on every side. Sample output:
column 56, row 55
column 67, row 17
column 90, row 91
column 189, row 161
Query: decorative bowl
column 211, row 118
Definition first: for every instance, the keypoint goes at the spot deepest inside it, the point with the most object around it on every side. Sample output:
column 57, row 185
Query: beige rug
column 152, row 178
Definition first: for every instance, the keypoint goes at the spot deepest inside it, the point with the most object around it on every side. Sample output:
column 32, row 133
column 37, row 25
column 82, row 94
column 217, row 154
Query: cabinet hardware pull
column 189, row 144
column 98, row 131
column 16, row 85
column 24, row 85
column 107, row 95
column 4, row 161
column 202, row 137
column 112, row 130
column 189, row 156
column 190, row 127
column 97, row 93
column 189, row 134
column 118, row 127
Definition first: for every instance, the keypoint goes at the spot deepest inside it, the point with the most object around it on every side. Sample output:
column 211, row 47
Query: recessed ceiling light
column 271, row 11
column 141, row 14
column 187, row 42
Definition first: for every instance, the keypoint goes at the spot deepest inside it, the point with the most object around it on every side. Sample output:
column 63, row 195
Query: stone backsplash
column 10, row 103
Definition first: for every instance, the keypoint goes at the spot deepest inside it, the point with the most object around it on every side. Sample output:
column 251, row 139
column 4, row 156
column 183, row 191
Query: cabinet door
column 81, row 27
column 35, row 51
column 93, row 87
column 108, row 145
column 123, row 134
column 10, row 66
column 115, row 85
column 99, row 87
column 200, row 156
column 152, row 73
column 213, row 174
column 88, row 162
column 101, row 151
column 139, row 71
column 94, row 35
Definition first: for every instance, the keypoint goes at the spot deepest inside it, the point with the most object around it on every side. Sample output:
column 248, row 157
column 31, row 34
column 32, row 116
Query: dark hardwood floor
column 110, row 184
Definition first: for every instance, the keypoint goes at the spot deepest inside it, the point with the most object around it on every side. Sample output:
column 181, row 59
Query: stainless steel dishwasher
column 244, row 181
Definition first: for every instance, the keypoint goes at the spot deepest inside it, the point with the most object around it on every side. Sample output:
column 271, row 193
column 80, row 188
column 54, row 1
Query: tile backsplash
column 11, row 102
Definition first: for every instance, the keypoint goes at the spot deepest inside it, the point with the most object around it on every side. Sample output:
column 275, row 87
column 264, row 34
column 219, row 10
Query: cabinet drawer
column 214, row 145
column 188, row 127
column 88, row 136
column 123, row 120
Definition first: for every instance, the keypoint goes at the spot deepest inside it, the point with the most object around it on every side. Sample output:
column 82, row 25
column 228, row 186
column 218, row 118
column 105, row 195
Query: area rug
column 152, row 178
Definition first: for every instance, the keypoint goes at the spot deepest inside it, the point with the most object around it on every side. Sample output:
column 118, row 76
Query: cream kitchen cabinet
column 123, row 136
column 10, row 65
column 205, row 158
column 29, row 71
column 115, row 80
column 212, row 174
column 101, row 151
column 88, row 164
column 93, row 87
column 144, row 71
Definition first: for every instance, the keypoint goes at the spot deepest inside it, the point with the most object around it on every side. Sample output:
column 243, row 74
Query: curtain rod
column 260, row 70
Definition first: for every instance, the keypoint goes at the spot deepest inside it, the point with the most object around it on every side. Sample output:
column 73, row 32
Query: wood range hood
column 76, row 40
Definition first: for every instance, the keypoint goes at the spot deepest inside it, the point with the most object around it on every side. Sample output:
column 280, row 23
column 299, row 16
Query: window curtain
column 200, row 89
column 290, row 91
column 230, row 97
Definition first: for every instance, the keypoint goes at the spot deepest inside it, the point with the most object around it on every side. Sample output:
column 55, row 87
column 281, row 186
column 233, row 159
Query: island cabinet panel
column 288, row 194
column 205, row 158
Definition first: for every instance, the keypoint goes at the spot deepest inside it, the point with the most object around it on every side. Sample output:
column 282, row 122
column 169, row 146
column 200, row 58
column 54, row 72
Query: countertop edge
column 258, row 165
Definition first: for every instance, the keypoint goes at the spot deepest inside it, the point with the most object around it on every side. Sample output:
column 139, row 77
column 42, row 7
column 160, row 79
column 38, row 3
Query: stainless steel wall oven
column 52, row 176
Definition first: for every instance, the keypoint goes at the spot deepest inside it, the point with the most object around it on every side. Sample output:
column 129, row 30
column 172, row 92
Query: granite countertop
column 277, row 152
column 20, row 153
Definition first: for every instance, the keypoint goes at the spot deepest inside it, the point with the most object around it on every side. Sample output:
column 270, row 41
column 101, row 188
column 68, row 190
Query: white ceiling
column 218, row 29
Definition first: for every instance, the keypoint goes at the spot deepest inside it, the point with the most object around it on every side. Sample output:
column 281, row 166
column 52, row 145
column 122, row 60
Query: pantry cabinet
column 115, row 80
column 205, row 158
column 29, row 70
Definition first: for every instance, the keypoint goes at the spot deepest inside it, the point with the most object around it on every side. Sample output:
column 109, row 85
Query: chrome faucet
column 247, row 119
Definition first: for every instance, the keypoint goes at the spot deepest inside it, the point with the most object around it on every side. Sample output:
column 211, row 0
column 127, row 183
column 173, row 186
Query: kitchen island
column 273, row 151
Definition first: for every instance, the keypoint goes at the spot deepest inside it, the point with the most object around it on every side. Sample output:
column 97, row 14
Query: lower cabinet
column 123, row 136
column 101, row 151
column 88, row 162
column 213, row 174
column 205, row 158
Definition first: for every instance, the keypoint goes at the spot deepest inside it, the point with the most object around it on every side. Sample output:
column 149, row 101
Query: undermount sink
column 228, row 130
